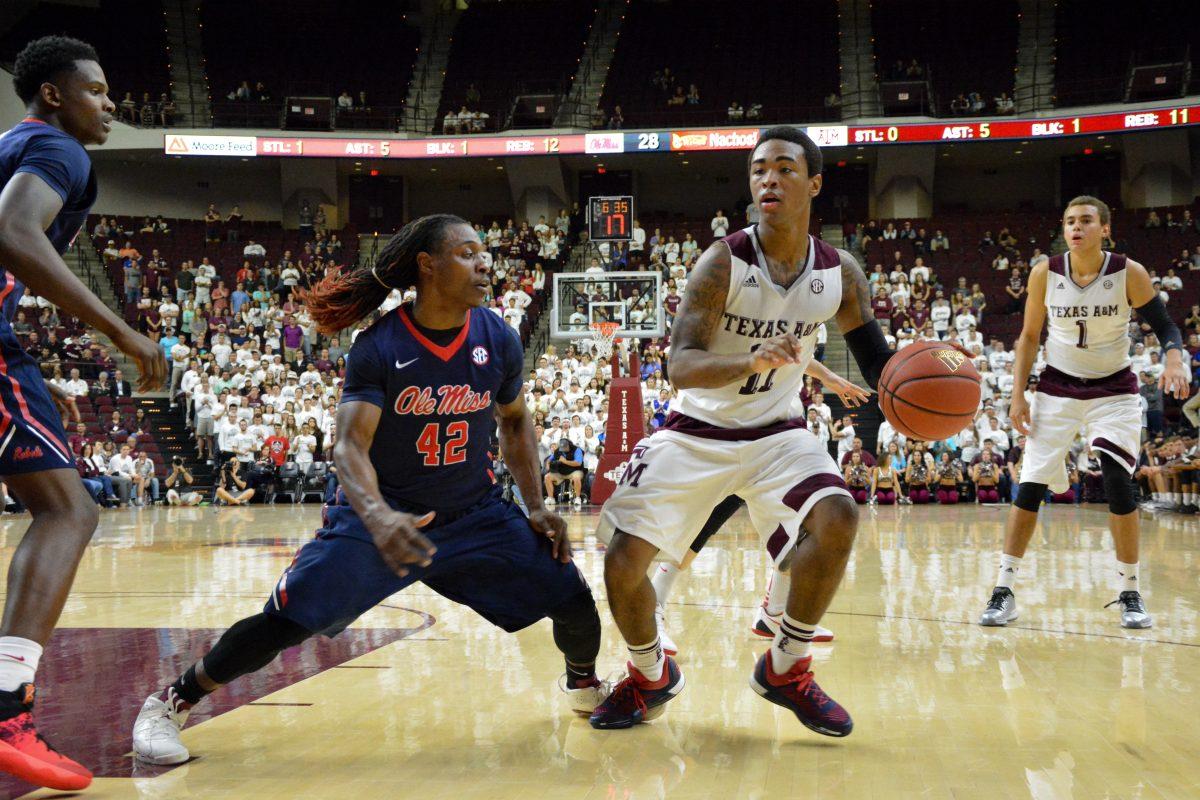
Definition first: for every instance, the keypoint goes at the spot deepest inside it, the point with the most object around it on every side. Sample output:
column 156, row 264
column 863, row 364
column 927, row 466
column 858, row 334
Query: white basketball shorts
column 1104, row 410
column 674, row 480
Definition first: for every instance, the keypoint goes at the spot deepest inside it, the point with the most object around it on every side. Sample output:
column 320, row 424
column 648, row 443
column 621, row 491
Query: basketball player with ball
column 742, row 340
column 1084, row 296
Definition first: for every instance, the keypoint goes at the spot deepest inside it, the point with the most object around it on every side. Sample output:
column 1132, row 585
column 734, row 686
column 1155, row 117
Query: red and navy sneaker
column 636, row 699
column 26, row 755
column 796, row 691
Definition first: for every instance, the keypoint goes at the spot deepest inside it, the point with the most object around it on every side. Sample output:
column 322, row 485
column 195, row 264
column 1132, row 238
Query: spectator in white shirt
column 637, row 239
column 253, row 248
column 76, row 386
column 120, row 469
column 719, row 224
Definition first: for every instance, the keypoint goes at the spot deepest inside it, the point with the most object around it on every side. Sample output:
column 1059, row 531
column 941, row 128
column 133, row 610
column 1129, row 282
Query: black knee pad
column 1118, row 486
column 716, row 520
column 577, row 628
column 1030, row 496
column 250, row 645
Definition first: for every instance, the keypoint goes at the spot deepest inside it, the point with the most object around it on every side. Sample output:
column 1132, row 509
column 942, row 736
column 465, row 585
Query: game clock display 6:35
column 610, row 219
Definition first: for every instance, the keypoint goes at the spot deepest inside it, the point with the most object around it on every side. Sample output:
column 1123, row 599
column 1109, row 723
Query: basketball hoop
column 604, row 335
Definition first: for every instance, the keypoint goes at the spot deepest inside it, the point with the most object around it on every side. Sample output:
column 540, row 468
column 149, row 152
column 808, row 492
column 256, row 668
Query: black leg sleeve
column 720, row 515
column 577, row 629
column 250, row 645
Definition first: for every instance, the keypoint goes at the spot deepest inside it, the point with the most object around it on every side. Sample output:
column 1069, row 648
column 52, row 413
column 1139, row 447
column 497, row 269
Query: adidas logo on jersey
column 1062, row 285
column 751, row 281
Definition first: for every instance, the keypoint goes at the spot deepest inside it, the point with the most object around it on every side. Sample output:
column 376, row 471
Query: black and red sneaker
column 26, row 755
column 796, row 691
column 636, row 699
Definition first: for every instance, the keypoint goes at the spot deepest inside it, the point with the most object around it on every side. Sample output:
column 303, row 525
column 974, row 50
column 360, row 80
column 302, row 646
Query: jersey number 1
column 428, row 444
column 751, row 386
column 1082, row 343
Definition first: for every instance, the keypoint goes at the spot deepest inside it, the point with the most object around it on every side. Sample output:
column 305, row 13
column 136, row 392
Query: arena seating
column 1097, row 42
column 127, row 35
column 730, row 54
column 186, row 241
column 964, row 52
column 507, row 49
column 246, row 42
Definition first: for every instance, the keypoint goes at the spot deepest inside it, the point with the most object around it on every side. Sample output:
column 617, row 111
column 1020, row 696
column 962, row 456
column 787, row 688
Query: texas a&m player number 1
column 610, row 218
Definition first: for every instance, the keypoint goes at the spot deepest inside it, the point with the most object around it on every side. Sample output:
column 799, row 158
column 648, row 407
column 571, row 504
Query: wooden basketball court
column 421, row 699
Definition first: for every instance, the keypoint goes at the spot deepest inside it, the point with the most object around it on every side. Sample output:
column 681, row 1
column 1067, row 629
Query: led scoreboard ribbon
column 613, row 142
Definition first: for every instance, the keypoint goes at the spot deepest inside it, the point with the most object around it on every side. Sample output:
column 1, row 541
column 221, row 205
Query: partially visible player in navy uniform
column 425, row 388
column 46, row 190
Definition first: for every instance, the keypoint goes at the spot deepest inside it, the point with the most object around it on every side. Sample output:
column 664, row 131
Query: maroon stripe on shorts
column 682, row 423
column 775, row 544
column 798, row 495
column 1057, row 383
column 1105, row 444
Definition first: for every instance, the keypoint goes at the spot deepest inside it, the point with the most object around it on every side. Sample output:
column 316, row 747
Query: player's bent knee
column 1118, row 486
column 627, row 558
column 1030, row 496
column 834, row 519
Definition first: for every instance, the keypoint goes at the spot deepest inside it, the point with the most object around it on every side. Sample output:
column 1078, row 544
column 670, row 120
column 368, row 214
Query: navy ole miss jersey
column 431, row 449
column 60, row 160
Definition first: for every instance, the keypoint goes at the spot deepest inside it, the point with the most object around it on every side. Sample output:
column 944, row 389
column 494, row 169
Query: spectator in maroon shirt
column 919, row 315
column 881, row 304
column 323, row 364
column 78, row 439
column 867, row 458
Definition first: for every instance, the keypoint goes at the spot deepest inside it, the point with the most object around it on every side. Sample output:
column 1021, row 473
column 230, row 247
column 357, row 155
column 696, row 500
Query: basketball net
column 604, row 336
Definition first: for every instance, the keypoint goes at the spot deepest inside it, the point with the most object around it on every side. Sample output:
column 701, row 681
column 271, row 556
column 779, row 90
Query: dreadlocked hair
column 342, row 299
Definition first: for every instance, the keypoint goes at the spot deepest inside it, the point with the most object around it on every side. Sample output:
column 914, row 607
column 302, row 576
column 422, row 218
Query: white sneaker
column 584, row 701
column 550, row 502
column 668, row 644
column 578, row 501
column 767, row 626
column 156, row 733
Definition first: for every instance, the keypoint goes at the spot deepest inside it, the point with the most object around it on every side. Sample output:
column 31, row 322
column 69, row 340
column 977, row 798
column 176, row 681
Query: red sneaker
column 26, row 755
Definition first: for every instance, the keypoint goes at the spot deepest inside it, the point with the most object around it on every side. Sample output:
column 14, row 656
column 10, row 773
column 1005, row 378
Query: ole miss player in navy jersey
column 46, row 190
column 426, row 386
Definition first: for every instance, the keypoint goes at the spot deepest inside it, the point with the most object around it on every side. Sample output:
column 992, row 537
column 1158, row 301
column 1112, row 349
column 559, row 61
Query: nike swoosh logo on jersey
column 14, row 658
column 406, row 363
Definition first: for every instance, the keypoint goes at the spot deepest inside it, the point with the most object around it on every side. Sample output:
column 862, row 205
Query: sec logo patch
column 480, row 356
column 817, row 286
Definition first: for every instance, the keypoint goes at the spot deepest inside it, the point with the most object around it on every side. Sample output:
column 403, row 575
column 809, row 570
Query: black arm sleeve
column 1155, row 313
column 870, row 351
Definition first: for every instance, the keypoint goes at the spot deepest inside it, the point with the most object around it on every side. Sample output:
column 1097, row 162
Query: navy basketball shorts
column 32, row 438
column 489, row 560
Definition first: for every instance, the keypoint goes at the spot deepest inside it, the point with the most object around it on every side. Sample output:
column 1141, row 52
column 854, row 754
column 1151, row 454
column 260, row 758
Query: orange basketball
column 929, row 391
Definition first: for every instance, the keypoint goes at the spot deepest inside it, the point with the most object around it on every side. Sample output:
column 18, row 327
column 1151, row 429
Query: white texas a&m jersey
column 756, row 310
column 1088, row 325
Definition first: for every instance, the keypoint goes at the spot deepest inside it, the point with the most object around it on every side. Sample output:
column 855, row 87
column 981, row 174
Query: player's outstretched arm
column 692, row 366
column 518, row 445
column 1027, row 346
column 28, row 206
column 857, row 322
column 396, row 534
column 850, row 393
column 1175, row 378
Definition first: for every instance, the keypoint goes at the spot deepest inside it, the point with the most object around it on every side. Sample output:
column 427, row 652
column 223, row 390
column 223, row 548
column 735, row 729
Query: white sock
column 1127, row 579
column 1177, row 497
column 778, row 587
column 791, row 643
column 1158, row 497
column 1009, row 565
column 648, row 659
column 18, row 661
column 663, row 581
